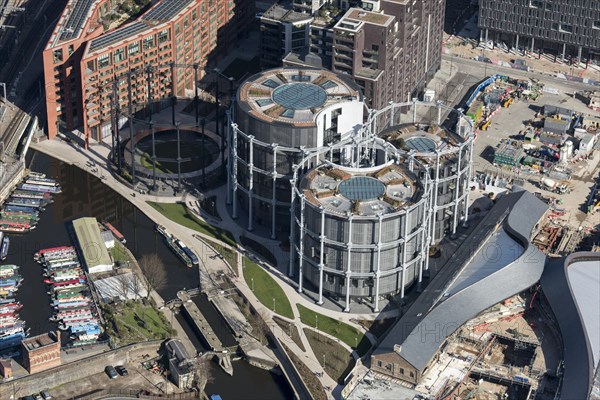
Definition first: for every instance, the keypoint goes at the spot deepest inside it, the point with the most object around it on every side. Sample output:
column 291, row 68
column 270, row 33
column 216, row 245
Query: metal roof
column 420, row 337
column 574, row 302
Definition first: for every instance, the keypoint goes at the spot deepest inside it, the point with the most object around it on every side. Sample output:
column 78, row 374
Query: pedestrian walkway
column 98, row 154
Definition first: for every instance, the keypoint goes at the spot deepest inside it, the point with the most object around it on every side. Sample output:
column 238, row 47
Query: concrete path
column 98, row 153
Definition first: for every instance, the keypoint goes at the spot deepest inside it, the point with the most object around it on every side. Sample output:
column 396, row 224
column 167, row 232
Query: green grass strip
column 179, row 213
column 346, row 333
column 266, row 289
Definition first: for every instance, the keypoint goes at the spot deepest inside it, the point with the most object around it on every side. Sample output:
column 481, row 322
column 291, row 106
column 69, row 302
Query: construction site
column 503, row 353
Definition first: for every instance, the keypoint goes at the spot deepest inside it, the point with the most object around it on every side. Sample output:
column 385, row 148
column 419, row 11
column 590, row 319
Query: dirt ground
column 508, row 122
column 138, row 379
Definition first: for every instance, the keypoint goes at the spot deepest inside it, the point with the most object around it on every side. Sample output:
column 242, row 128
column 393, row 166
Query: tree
column 137, row 283
column 123, row 285
column 258, row 321
column 154, row 272
column 203, row 373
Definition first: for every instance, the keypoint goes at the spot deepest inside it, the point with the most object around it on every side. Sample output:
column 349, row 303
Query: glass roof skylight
column 361, row 188
column 299, row 96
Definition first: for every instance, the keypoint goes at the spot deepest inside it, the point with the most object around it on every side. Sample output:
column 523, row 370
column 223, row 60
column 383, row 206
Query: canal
column 84, row 195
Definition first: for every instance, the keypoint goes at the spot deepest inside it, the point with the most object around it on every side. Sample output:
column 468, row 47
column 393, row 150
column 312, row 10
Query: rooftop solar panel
column 166, row 9
column 117, row 35
column 76, row 19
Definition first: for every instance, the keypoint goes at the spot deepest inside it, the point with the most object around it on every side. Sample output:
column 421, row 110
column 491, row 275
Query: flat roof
column 163, row 11
column 294, row 94
column 90, row 242
column 383, row 191
column 370, row 17
column 38, row 341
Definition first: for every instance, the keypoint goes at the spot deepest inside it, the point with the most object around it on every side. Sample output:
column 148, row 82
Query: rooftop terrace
column 385, row 191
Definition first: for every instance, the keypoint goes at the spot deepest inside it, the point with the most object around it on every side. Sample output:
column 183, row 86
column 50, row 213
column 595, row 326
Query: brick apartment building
column 391, row 48
column 565, row 28
column 41, row 352
column 82, row 60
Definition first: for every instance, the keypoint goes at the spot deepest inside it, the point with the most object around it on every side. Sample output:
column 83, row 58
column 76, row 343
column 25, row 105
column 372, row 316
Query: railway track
column 10, row 137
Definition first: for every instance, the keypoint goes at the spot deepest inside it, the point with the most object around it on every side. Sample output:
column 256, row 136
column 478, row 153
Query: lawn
column 132, row 322
column 333, row 357
column 229, row 255
column 346, row 333
column 266, row 289
column 118, row 253
column 312, row 382
column 179, row 213
column 259, row 249
column 290, row 328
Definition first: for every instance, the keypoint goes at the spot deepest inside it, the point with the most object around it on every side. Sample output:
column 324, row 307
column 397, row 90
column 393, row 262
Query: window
column 402, row 371
column 389, row 367
column 355, row 283
column 104, row 61
column 566, row 28
column 596, row 25
column 536, row 4
column 148, row 42
column 58, row 55
column 330, row 279
column 379, row 363
column 412, row 374
column 163, row 36
column 71, row 49
column 119, row 55
column 134, row 48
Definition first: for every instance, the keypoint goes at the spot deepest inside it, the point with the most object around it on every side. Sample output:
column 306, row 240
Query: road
column 478, row 68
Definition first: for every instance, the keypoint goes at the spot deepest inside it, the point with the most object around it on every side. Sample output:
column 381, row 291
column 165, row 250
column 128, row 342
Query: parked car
column 46, row 395
column 122, row 370
column 111, row 372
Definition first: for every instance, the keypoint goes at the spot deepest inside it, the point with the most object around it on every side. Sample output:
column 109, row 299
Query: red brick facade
column 79, row 71
column 41, row 352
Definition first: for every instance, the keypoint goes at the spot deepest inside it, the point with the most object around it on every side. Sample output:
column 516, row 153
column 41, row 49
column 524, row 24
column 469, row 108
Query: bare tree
column 137, row 283
column 259, row 324
column 123, row 285
column 154, row 272
column 203, row 373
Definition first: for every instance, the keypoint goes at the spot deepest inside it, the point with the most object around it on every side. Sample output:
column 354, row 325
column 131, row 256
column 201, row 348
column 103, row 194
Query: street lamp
column 273, row 304
column 355, row 342
column 252, row 282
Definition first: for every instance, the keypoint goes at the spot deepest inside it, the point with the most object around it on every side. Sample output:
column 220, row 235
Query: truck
column 553, row 186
